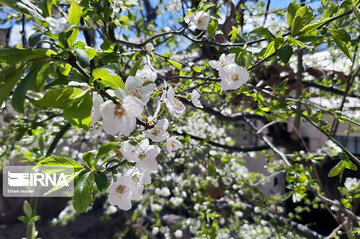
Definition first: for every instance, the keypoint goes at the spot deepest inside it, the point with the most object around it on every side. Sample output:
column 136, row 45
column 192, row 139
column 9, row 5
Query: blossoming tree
column 147, row 101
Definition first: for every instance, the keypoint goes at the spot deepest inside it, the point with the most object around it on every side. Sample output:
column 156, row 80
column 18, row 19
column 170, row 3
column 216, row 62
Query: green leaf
column 101, row 181
column 357, row 13
column 108, row 78
column 72, row 37
column 8, row 78
column 58, row 98
column 60, row 161
column 263, row 32
column 12, row 55
column 234, row 34
column 75, row 13
column 82, row 57
column 340, row 36
column 337, row 169
column 292, row 8
column 35, row 38
column 312, row 26
column 24, row 219
column 88, row 157
column 269, row 50
column 78, row 111
column 18, row 98
column 212, row 28
column 41, row 77
column 105, row 149
column 68, row 180
column 176, row 64
column 197, row 69
column 45, row 6
column 166, row 54
column 303, row 16
column 83, row 192
column 27, row 209
column 285, row 53
column 135, row 67
column 24, row 6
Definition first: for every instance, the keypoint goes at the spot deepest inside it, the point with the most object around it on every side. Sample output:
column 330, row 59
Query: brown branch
column 220, row 116
column 227, row 147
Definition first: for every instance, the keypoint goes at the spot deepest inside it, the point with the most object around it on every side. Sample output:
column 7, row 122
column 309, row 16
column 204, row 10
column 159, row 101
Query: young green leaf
column 340, row 37
column 135, row 67
column 78, row 111
column 212, row 28
column 18, row 98
column 35, row 38
column 105, row 149
column 88, row 157
column 176, row 64
column 75, row 13
column 83, row 192
column 27, row 209
column 337, row 169
column 60, row 161
column 292, row 8
column 263, row 32
column 108, row 78
column 101, row 181
column 8, row 78
column 82, row 57
column 12, row 55
column 285, row 53
column 58, row 98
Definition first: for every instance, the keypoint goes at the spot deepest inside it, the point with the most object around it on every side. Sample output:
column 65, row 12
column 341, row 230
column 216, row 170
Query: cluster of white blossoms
column 231, row 74
column 119, row 117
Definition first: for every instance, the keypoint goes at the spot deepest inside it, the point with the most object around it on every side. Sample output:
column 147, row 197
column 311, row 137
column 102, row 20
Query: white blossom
column 139, row 178
column 149, row 47
column 122, row 192
column 146, row 74
column 176, row 108
column 95, row 111
column 178, row 234
column 172, row 144
column 121, row 118
column 233, row 77
column 351, row 183
column 200, row 20
column 195, row 96
column 143, row 154
column 223, row 61
column 135, row 86
column 176, row 201
column 159, row 132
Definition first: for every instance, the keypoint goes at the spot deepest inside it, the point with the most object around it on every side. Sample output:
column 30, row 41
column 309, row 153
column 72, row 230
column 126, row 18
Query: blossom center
column 173, row 144
column 234, row 77
column 142, row 156
column 136, row 91
column 156, row 132
column 177, row 102
column 136, row 178
column 122, row 190
column 119, row 111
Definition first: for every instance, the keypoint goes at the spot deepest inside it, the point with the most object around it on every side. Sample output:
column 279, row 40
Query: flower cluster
column 231, row 74
column 120, row 115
